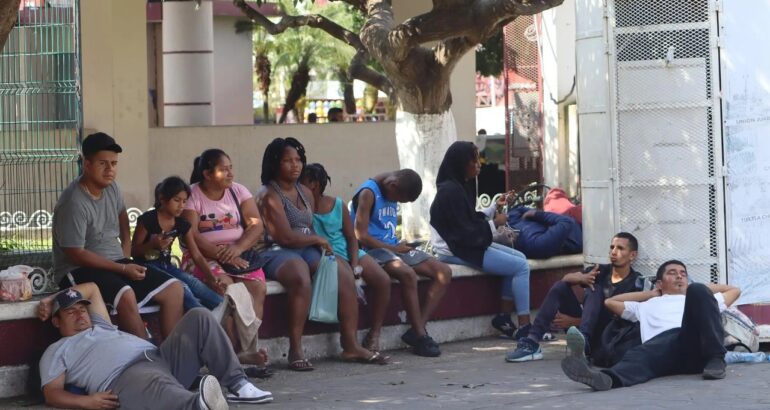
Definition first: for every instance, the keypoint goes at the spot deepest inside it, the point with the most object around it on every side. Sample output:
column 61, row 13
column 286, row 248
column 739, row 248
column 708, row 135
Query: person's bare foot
column 371, row 341
column 299, row 363
column 355, row 354
column 258, row 358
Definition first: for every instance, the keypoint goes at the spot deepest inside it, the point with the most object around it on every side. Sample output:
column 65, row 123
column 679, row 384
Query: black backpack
column 618, row 337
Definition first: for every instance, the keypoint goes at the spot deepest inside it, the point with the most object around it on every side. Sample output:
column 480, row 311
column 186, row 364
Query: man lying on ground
column 681, row 331
column 117, row 369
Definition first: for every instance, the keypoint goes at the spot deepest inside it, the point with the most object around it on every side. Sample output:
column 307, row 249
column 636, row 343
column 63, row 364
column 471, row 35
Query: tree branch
column 449, row 52
column 8, row 14
column 310, row 20
column 376, row 30
column 474, row 20
column 358, row 68
column 359, row 5
column 360, row 71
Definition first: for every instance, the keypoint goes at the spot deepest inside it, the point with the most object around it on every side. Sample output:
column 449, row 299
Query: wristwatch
column 357, row 271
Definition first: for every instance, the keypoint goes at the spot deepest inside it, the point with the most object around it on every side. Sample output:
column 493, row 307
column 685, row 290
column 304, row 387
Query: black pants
column 561, row 298
column 683, row 350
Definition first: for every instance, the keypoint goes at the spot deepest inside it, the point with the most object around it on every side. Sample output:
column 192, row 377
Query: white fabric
column 659, row 314
column 439, row 244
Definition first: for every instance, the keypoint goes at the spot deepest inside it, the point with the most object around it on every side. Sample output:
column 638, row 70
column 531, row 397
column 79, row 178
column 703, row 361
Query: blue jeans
column 196, row 293
column 501, row 260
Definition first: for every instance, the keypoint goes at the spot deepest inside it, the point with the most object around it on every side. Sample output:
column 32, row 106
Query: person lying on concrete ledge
column 544, row 234
column 681, row 330
column 117, row 369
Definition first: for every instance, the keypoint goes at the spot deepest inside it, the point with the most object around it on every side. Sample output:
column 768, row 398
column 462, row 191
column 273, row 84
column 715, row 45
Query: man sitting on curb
column 118, row 369
column 681, row 331
column 562, row 307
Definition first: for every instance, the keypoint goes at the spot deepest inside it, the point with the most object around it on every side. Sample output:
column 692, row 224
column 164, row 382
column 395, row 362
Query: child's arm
column 139, row 247
column 361, row 224
column 202, row 264
column 350, row 237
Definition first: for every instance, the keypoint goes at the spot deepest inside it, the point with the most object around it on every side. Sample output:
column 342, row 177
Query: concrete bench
column 464, row 313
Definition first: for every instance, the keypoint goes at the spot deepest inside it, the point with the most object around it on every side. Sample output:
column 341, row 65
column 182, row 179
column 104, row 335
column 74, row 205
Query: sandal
column 301, row 365
column 257, row 372
column 375, row 358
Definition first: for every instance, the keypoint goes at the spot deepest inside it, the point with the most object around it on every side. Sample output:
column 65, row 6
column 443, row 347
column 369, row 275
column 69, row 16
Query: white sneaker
column 210, row 395
column 249, row 393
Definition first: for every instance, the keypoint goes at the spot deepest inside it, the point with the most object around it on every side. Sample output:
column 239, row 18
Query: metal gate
column 40, row 125
column 667, row 132
column 523, row 103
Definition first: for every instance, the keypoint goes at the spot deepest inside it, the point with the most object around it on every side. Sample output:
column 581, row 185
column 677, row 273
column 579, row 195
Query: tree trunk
column 9, row 11
column 425, row 128
column 422, row 140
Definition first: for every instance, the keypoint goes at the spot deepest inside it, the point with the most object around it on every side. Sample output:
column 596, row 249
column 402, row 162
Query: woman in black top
column 465, row 235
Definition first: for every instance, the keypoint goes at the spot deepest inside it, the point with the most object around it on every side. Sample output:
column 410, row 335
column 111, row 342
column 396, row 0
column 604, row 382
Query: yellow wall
column 350, row 152
column 115, row 93
column 114, row 61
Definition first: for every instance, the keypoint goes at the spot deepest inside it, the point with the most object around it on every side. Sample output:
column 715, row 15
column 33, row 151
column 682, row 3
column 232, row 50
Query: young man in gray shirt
column 92, row 243
column 118, row 369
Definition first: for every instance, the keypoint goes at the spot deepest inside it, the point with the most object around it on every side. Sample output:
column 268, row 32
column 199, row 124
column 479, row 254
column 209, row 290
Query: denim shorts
column 276, row 256
column 411, row 258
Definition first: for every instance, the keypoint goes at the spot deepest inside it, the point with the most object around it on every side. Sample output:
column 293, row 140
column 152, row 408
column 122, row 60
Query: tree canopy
column 415, row 57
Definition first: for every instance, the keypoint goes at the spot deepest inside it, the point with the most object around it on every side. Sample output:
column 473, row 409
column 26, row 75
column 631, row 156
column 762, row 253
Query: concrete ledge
column 13, row 380
column 27, row 309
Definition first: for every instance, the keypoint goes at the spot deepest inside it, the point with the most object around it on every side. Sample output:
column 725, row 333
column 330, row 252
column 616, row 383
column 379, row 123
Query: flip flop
column 375, row 358
column 258, row 372
column 301, row 365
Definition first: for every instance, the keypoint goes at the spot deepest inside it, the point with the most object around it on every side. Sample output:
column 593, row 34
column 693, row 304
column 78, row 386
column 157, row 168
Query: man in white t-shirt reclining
column 681, row 330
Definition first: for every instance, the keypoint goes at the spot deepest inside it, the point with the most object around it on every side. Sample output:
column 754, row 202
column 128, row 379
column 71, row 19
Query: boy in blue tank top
column 374, row 212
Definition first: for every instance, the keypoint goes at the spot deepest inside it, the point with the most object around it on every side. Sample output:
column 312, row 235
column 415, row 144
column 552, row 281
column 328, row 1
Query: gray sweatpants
column 161, row 379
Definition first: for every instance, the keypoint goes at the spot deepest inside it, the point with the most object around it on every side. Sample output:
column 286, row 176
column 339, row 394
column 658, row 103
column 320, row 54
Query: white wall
column 233, row 70
column 557, row 45
column 596, row 143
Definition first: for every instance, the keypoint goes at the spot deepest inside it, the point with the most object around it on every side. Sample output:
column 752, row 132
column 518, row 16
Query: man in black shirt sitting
column 563, row 309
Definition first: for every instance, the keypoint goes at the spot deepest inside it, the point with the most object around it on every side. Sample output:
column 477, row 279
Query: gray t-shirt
column 80, row 221
column 93, row 358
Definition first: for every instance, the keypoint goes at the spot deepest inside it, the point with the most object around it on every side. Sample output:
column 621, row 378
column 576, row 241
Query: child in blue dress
column 332, row 221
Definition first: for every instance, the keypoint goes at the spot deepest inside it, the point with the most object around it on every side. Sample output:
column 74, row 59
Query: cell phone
column 588, row 268
column 170, row 234
column 415, row 244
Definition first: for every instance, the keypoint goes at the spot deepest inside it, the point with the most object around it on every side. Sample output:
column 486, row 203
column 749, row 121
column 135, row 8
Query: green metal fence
column 40, row 126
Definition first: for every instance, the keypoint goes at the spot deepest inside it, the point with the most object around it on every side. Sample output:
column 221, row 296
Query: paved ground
column 473, row 375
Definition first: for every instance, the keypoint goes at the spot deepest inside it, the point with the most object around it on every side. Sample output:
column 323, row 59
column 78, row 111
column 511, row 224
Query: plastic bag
column 323, row 305
column 15, row 284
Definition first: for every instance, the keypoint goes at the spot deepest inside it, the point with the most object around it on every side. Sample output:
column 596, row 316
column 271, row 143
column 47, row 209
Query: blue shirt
column 383, row 219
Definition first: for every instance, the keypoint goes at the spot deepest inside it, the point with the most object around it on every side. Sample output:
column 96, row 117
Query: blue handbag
column 323, row 305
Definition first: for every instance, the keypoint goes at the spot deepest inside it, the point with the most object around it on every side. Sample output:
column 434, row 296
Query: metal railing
column 40, row 126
